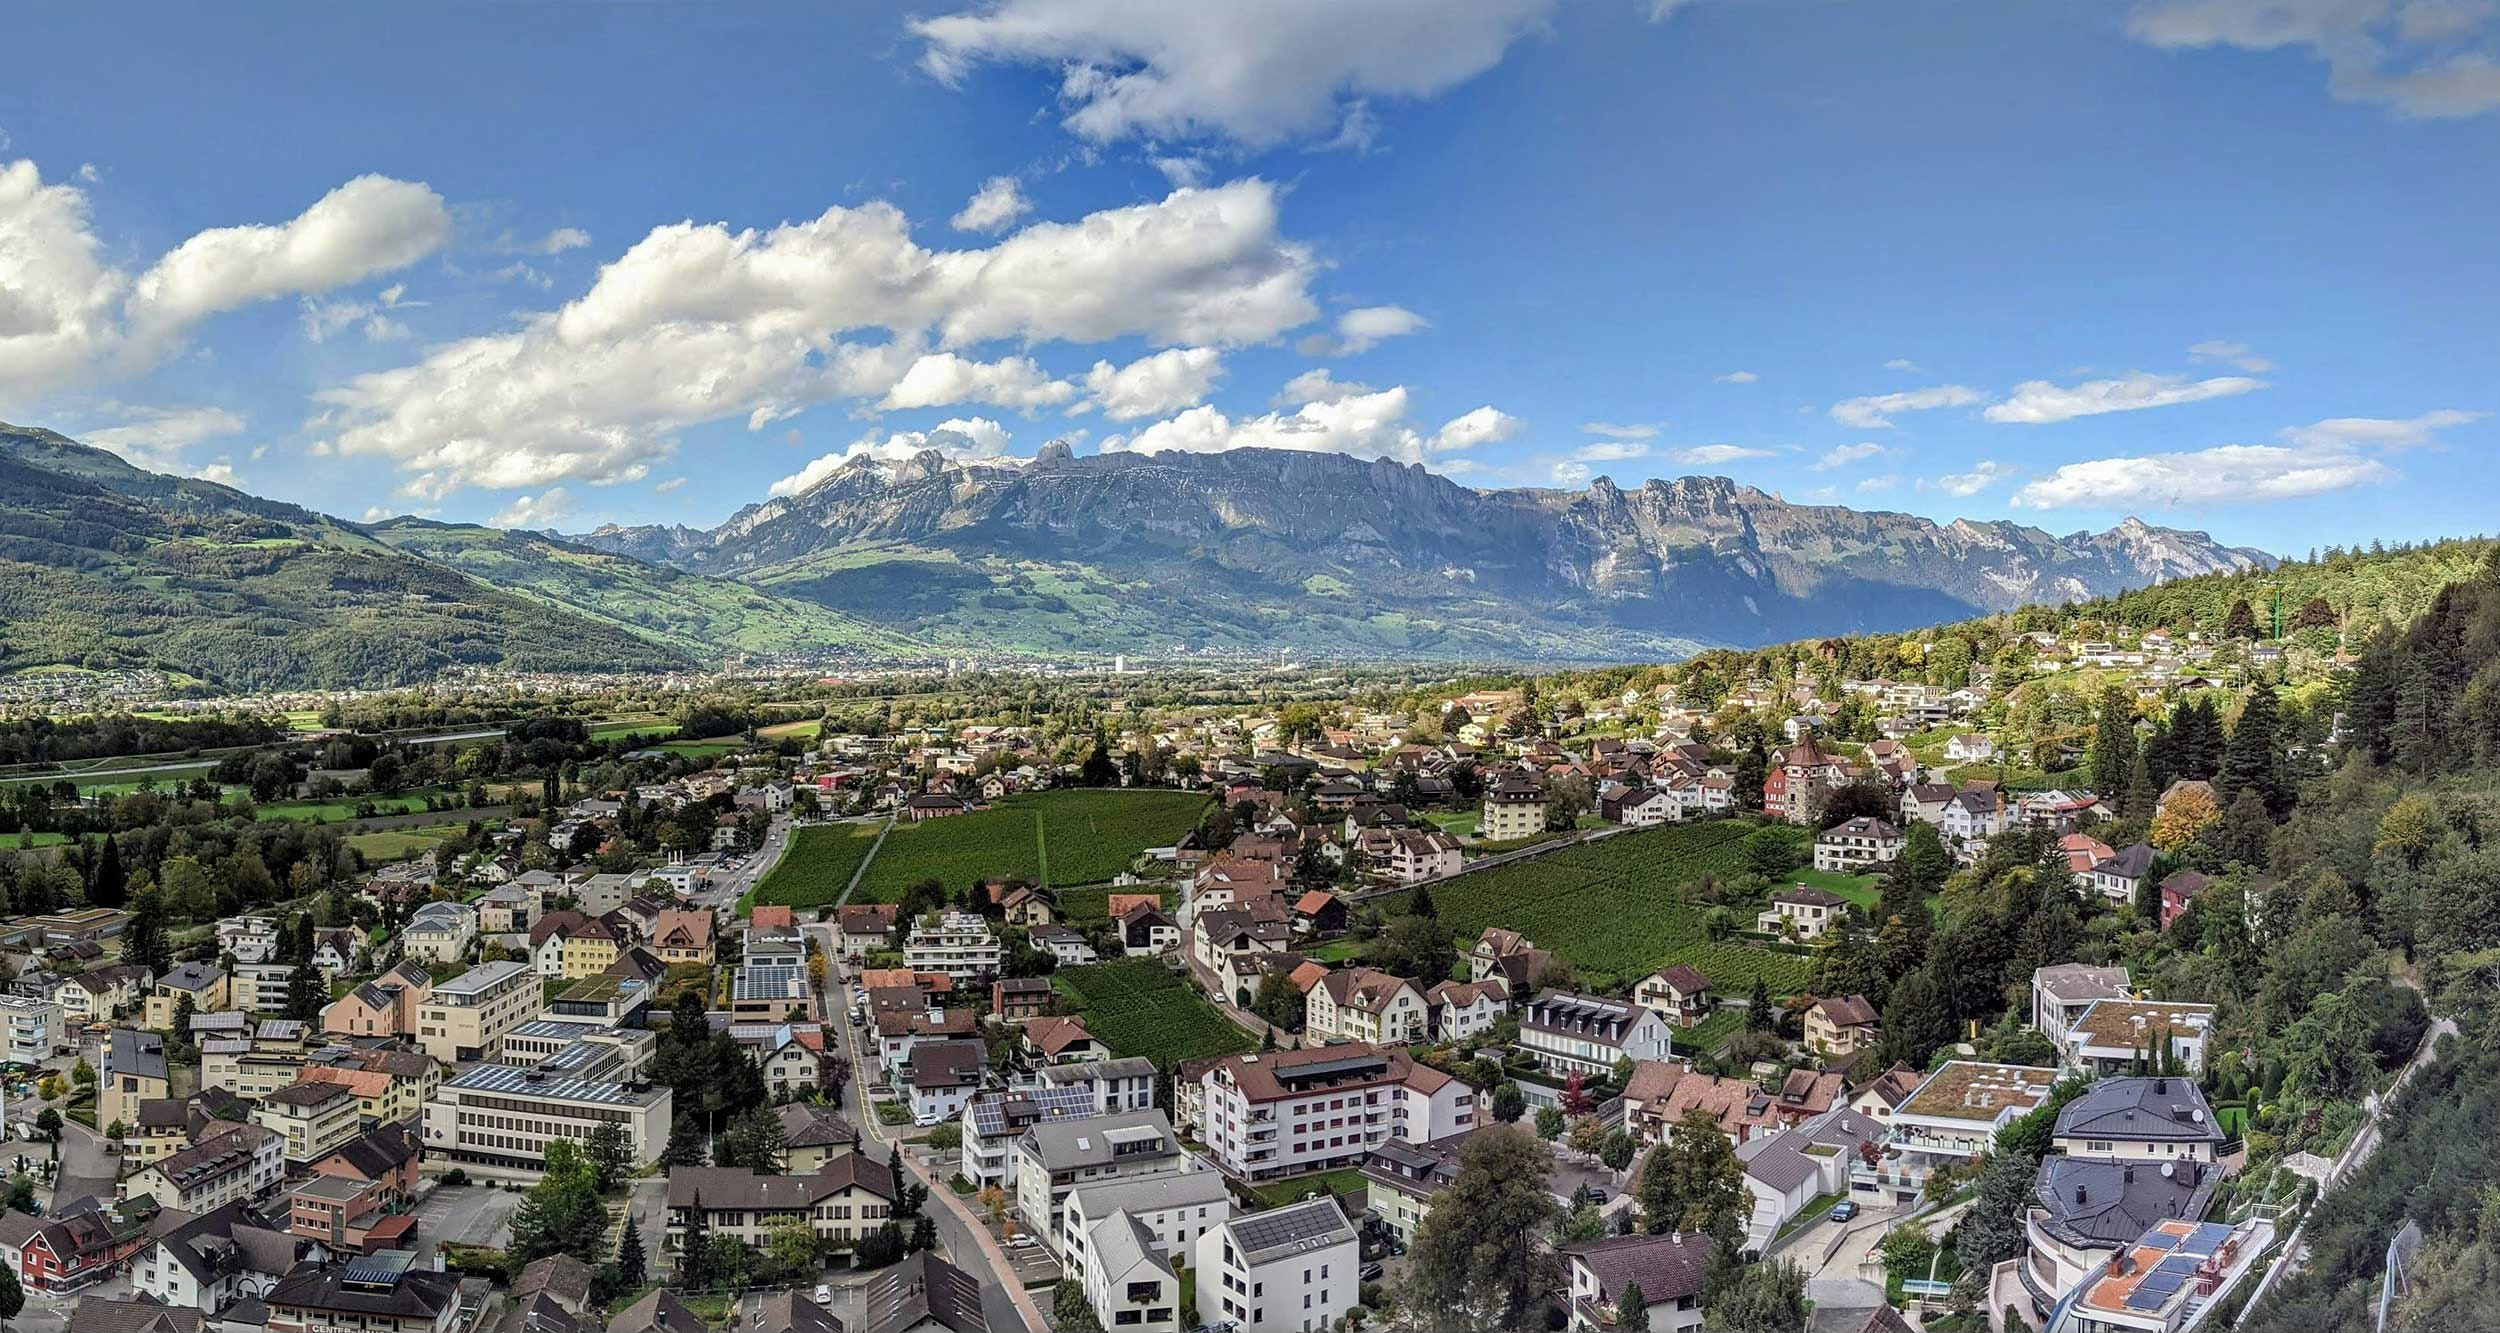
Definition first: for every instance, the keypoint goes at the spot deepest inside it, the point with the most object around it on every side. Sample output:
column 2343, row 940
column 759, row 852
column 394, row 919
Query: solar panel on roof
column 2158, row 1240
column 380, row 1269
column 1329, row 1068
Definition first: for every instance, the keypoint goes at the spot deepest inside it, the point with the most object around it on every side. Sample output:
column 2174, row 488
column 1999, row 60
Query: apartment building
column 231, row 1163
column 32, row 1028
column 376, row 1293
column 1954, row 1117
column 1127, row 1282
column 466, row 1017
column 134, row 1072
column 1587, row 1034
column 1055, row 1157
column 386, row 1006
column 993, row 1123
column 205, row 985
column 1280, row 1113
column 2112, row 1035
column 1292, row 1268
column 1514, row 808
column 1366, row 1004
column 499, row 1115
column 313, row 1117
column 1174, row 1209
column 959, row 944
column 2151, row 1119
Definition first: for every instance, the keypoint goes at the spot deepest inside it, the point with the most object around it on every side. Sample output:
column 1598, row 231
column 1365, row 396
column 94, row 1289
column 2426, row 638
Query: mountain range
column 105, row 565
column 1261, row 549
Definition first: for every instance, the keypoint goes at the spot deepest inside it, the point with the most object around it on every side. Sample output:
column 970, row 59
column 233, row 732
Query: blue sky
column 2221, row 264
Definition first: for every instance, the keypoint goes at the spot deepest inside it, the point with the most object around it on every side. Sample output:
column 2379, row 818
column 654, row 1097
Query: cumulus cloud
column 1844, row 455
column 1571, row 474
column 1739, row 377
column 156, row 438
column 1317, row 385
column 2235, row 354
column 534, row 511
column 1167, row 381
column 1715, row 455
column 944, row 379
column 994, row 207
column 1370, row 424
column 1358, row 330
column 599, row 386
column 962, row 439
column 66, row 314
column 2040, row 402
column 1610, row 451
column 1618, row 430
column 2424, row 59
column 2317, row 459
column 1983, row 474
column 1875, row 412
column 1258, row 75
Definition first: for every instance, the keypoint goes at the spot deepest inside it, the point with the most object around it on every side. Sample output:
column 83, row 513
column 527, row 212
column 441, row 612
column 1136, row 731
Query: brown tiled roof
column 1847, row 1011
column 1261, row 1076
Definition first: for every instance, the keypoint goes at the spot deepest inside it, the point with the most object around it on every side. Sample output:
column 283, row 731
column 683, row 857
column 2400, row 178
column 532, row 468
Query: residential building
column 1786, row 1172
column 1126, row 1084
column 386, row 1006
column 944, row 1075
column 1464, row 1009
column 1840, row 1026
column 924, row 1294
column 865, row 929
column 313, row 1117
column 75, row 1246
column 1065, row 943
column 1640, row 807
column 993, row 1123
column 1678, row 994
column 1053, row 1041
column 2151, row 1118
column 2084, row 1210
column 1056, row 1156
column 465, row 1019
column 2181, row 888
column 2178, row 1266
column 813, row 1134
column 843, row 1201
column 1954, row 1117
column 1173, row 1208
column 134, row 1072
column 1857, row 845
column 391, row 1083
column 249, row 939
column 1514, row 808
column 230, row 1163
column 1802, row 912
column 1401, row 1177
column 1799, row 778
column 1015, row 999
column 1668, row 1270
column 103, row 994
column 1416, row 855
column 1280, row 1113
column 2121, row 876
column 2112, row 1035
column 498, row 1115
column 2062, row 993
column 959, row 944
column 682, row 936
column 214, row 1259
column 1659, row 1095
column 1586, row 1034
column 378, row 1293
column 205, row 985
column 1293, row 1268
column 1368, row 1005
column 1126, row 1281
column 440, row 932
column 32, row 1029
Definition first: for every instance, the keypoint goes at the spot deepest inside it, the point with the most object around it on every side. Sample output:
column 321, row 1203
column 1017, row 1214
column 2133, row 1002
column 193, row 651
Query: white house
column 2062, row 992
column 1970, row 748
column 440, row 932
column 1955, row 1115
column 1174, row 1208
column 1668, row 1270
column 1284, row 1113
column 2145, row 1119
column 1462, row 1009
column 1857, row 845
column 1129, row 1284
column 1055, row 1157
column 1295, row 1268
column 2112, row 1034
column 1588, row 1034
column 1367, row 1005
column 1802, row 911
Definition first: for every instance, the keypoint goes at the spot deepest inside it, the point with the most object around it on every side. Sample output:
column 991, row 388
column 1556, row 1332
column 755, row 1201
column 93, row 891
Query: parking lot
column 468, row 1215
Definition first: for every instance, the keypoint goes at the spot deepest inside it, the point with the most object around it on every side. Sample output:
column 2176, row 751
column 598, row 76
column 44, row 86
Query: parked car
column 824, row 1294
column 1844, row 1210
column 1372, row 1272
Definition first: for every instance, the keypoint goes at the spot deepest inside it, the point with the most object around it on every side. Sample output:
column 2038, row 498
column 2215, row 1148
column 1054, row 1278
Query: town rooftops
column 1848, row 1011
column 1147, row 1194
column 924, row 1289
column 1806, row 895
column 2156, row 1108
column 1667, row 1268
column 1296, row 1228
column 134, row 1053
column 2102, row 1203
column 738, row 1188
column 2141, row 1025
column 1970, row 1090
column 2074, row 983
column 514, row 1081
column 478, row 980
column 1275, row 1075
column 1071, row 1144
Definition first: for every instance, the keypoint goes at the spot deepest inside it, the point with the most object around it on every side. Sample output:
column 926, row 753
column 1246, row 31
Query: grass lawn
column 1862, row 890
column 1336, row 951
column 711, row 749
column 1816, row 1209
column 631, row 726
column 1277, row 1193
column 40, row 839
column 332, row 811
column 806, row 729
column 399, row 844
column 1459, row 823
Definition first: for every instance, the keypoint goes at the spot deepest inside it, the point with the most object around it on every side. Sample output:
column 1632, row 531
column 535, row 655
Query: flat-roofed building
column 32, row 1028
column 503, row 1116
column 1955, row 1115
column 2113, row 1035
column 465, row 1018
column 1291, row 1268
column 1057, row 1156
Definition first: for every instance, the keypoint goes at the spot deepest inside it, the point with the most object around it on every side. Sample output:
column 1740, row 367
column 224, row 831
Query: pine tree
column 2253, row 761
column 630, row 1270
column 694, row 1259
column 2113, row 741
column 2242, row 622
column 1917, row 1019
column 1421, row 904
column 2135, row 802
column 144, row 942
column 305, row 993
column 1631, row 1307
column 111, row 885
column 1759, row 1015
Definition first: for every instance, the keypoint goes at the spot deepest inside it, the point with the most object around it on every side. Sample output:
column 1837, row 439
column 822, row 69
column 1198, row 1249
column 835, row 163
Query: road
column 722, row 895
column 963, row 1238
column 86, row 1168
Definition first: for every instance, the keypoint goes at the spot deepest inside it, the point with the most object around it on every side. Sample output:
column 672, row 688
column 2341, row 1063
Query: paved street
column 86, row 1168
column 723, row 894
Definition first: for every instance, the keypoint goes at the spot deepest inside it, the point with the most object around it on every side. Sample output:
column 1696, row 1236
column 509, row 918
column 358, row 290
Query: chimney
column 2079, row 1194
column 2118, row 1264
column 2130, row 1173
column 2161, row 1087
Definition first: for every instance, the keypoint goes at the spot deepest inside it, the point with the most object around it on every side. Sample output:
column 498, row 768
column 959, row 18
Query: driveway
column 86, row 1168
column 468, row 1215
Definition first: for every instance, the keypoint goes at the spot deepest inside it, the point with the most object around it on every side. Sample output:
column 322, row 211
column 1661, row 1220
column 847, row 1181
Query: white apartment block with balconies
column 1282, row 1113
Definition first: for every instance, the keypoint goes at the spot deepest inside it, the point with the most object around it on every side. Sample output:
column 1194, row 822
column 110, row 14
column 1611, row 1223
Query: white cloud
column 156, row 438
column 1843, row 455
column 994, row 207
column 1571, row 474
column 1618, row 430
column 2377, row 432
column 553, row 243
column 1255, row 74
column 57, row 298
column 520, row 272
column 1983, row 474
column 1610, row 451
column 324, row 319
column 670, row 486
column 90, row 173
column 601, row 384
column 1359, row 329
column 2227, row 474
column 2234, row 354
column 1875, row 411
column 1739, row 377
column 1182, row 170
column 1905, row 365
column 538, row 511
column 1150, row 386
column 1885, row 482
column 944, row 379
column 2040, row 402
column 1317, row 385
column 966, row 440
column 1713, row 455
column 1366, row 425
column 2414, row 56
column 370, row 225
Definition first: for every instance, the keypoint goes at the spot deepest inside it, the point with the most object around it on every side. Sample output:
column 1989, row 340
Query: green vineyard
column 1616, row 907
column 817, row 866
column 1137, row 1007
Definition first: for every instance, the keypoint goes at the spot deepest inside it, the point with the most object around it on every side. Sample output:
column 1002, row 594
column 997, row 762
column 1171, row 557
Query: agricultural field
column 399, row 844
column 806, row 729
column 1137, row 1007
column 1090, row 836
column 631, row 726
column 818, row 865
column 1616, row 908
column 1058, row 837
